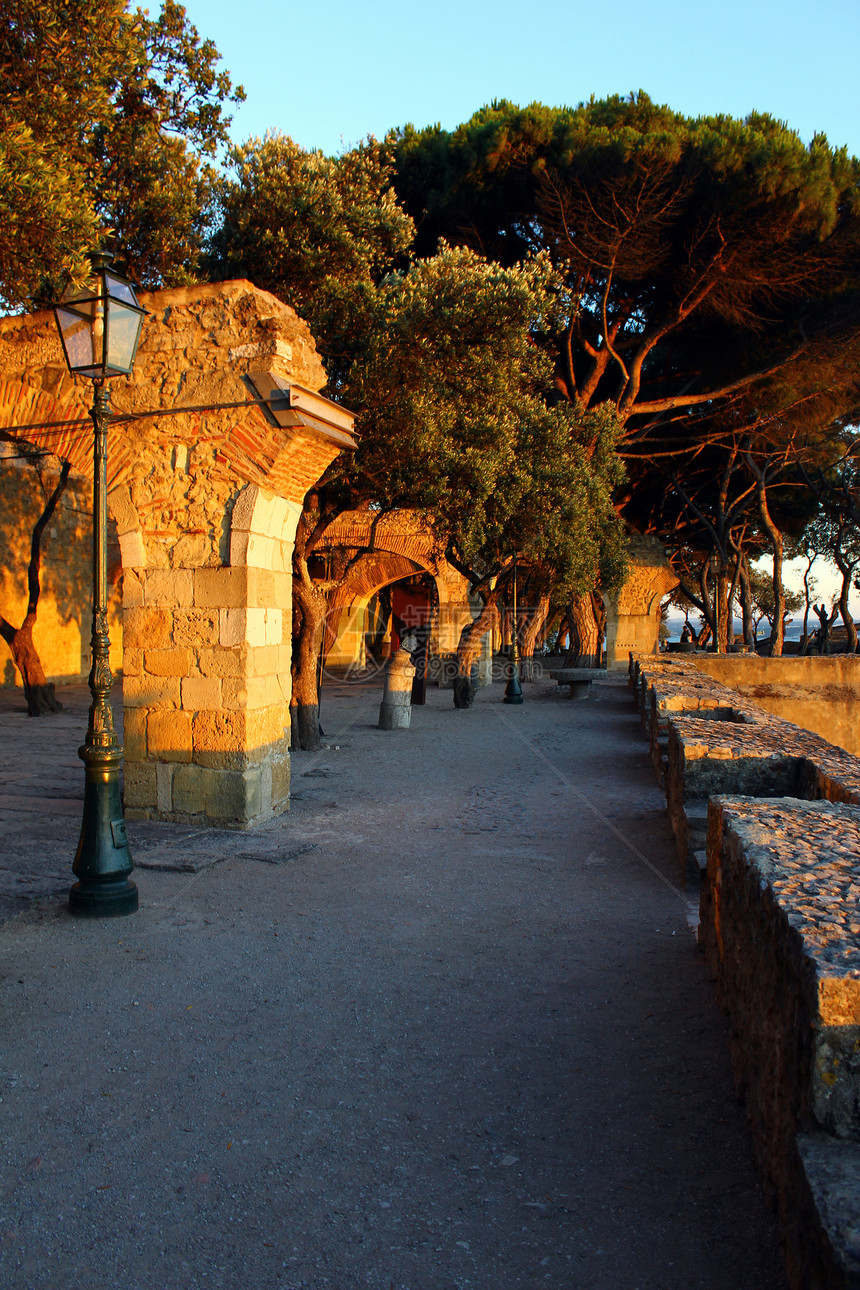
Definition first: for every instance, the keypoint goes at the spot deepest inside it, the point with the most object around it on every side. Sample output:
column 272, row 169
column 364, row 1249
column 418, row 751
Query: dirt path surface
column 444, row 1026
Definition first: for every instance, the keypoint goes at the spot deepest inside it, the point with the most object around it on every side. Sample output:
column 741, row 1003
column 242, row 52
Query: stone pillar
column 395, row 711
column 207, row 652
column 206, row 685
column 633, row 613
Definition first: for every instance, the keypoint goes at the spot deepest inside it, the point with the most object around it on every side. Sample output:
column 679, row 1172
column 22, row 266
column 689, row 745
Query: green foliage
column 438, row 359
column 695, row 253
column 708, row 288
column 106, row 118
column 834, row 533
column 457, row 423
column 764, row 600
column 319, row 232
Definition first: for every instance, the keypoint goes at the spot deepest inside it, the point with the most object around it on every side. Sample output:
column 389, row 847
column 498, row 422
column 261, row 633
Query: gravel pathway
column 444, row 1026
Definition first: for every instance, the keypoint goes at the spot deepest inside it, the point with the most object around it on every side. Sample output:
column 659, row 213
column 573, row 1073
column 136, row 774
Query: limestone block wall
column 206, row 686
column 205, row 486
column 206, row 695
column 633, row 612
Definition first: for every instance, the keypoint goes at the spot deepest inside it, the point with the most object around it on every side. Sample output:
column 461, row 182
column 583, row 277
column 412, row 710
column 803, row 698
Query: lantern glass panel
column 120, row 289
column 101, row 330
column 122, row 335
column 82, row 331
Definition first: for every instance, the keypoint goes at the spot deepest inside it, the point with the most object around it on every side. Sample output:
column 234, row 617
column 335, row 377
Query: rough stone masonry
column 205, row 487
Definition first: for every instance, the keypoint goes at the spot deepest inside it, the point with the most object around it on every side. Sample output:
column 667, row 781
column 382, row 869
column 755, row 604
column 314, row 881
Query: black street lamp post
column 513, row 689
column 100, row 332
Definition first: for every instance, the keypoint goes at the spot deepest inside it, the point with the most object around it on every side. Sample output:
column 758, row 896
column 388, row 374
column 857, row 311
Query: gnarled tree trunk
column 778, row 631
column 847, row 616
column 530, row 624
column 469, row 649
column 38, row 692
column 585, row 631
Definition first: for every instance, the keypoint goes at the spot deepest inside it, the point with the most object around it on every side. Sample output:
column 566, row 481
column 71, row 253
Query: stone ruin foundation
column 768, row 814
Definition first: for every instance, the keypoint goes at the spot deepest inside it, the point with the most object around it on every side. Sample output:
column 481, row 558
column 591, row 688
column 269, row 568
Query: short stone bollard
column 395, row 711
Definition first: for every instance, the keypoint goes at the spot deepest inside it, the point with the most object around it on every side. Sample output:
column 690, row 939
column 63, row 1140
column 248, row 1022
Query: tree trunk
column 847, row 617
column 469, row 650
column 38, row 691
column 807, row 604
column 746, row 604
column 584, row 650
column 722, row 613
column 778, row 633
column 531, row 625
column 39, row 694
column 708, row 630
column 304, row 703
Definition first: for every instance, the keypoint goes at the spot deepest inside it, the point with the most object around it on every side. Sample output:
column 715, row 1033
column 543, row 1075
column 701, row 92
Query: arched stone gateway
column 402, row 546
column 633, row 613
column 206, row 496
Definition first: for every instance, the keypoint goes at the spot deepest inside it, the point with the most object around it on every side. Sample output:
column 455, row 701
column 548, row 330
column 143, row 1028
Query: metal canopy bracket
column 292, row 406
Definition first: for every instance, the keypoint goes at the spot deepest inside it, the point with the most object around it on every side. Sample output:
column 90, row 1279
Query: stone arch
column 206, row 478
column 633, row 612
column 347, row 613
column 263, row 530
column 402, row 545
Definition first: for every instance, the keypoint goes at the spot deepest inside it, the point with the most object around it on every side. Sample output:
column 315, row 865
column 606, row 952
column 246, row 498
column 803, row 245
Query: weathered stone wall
column 205, row 488
column 781, row 930
column 706, row 739
column 633, row 612
column 780, row 925
column 820, row 693
column 63, row 622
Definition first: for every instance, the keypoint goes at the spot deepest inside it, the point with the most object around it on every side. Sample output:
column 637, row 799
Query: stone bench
column 578, row 678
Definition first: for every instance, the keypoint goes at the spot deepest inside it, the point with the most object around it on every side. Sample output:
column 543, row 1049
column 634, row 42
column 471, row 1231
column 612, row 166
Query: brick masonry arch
column 205, row 488
column 402, row 545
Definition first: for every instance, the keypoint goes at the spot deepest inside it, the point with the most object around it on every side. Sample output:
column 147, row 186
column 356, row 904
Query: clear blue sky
column 333, row 72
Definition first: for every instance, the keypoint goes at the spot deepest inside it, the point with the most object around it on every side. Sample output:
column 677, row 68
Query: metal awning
column 294, row 406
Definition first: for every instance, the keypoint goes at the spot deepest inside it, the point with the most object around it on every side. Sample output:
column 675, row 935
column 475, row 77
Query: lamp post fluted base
column 107, row 900
column 513, row 689
column 102, row 861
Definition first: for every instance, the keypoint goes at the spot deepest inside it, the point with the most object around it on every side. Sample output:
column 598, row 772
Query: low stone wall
column 780, row 925
column 821, row 694
column 781, row 931
column 705, row 739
